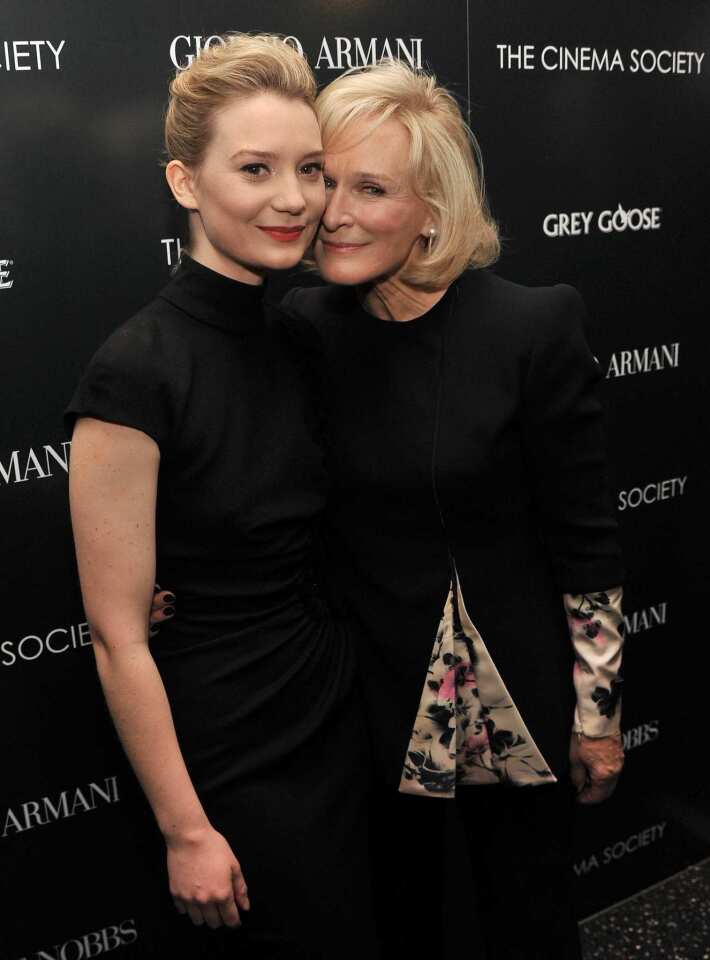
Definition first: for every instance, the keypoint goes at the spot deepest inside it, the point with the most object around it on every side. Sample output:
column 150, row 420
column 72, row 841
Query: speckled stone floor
column 669, row 921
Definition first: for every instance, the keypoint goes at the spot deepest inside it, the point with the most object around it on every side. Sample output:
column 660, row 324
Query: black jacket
column 474, row 431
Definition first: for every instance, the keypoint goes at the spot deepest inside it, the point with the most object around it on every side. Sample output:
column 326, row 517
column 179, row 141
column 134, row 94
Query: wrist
column 610, row 735
column 177, row 833
column 592, row 724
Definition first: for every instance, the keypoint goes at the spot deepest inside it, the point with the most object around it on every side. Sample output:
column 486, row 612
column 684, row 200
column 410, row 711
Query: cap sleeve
column 126, row 382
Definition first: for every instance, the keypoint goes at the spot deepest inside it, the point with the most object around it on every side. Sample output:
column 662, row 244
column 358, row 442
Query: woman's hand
column 162, row 608
column 206, row 879
column 596, row 763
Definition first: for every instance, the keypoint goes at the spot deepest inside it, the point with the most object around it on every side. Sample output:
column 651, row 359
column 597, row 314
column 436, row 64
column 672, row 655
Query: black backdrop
column 593, row 121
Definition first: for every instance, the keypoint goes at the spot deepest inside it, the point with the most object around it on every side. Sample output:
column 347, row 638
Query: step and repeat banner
column 593, row 123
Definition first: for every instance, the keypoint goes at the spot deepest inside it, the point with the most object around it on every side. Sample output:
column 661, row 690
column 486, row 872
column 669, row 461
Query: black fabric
column 258, row 675
column 475, row 428
column 509, row 848
column 301, row 836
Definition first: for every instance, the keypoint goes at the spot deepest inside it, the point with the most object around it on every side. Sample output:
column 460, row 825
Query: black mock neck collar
column 215, row 299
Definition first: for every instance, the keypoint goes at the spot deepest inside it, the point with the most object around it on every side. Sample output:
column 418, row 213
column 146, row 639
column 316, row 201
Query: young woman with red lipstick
column 194, row 450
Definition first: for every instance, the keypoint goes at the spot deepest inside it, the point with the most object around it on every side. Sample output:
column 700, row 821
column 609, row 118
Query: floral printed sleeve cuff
column 596, row 628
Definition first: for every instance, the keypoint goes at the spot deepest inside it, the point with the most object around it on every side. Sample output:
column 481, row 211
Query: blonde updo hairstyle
column 240, row 66
column 444, row 160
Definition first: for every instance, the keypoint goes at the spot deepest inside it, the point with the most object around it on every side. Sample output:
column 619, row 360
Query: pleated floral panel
column 467, row 729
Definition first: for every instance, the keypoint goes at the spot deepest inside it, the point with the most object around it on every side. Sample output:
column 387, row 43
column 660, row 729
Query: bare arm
column 112, row 486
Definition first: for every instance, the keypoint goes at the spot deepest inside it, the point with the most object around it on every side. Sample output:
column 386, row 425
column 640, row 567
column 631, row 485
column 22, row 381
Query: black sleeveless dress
column 259, row 676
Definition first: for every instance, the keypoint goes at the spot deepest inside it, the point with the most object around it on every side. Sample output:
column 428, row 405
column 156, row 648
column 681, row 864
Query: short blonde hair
column 241, row 65
column 444, row 159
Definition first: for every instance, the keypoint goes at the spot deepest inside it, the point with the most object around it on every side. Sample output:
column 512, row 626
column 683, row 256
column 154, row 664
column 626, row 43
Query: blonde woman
column 193, row 450
column 470, row 531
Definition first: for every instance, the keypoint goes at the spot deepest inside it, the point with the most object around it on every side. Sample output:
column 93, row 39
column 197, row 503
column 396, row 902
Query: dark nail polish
column 169, row 611
column 170, row 598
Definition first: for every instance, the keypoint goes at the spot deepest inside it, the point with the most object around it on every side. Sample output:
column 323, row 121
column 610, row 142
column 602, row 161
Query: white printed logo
column 33, row 646
column 645, row 619
column 344, row 53
column 35, row 466
column 652, row 492
column 91, row 944
column 643, row 733
column 173, row 249
column 20, row 55
column 334, row 53
column 38, row 813
column 579, row 223
column 184, row 49
column 616, row 851
column 590, row 59
column 646, row 360
column 189, row 48
column 5, row 283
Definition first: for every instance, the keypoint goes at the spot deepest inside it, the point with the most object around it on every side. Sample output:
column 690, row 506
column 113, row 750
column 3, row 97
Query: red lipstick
column 284, row 234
